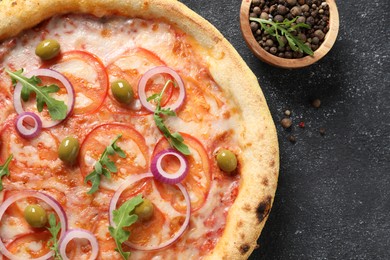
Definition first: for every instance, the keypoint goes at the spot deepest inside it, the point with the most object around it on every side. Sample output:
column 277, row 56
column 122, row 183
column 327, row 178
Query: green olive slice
column 122, row 91
column 226, row 160
column 47, row 49
column 35, row 215
column 69, row 149
column 145, row 210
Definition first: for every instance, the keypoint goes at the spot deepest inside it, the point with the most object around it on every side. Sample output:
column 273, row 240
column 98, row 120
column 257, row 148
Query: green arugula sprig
column 57, row 109
column 174, row 139
column 54, row 229
column 124, row 217
column 285, row 28
column 104, row 166
column 4, row 171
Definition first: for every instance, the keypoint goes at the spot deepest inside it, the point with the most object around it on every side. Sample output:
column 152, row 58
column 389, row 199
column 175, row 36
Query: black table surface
column 333, row 196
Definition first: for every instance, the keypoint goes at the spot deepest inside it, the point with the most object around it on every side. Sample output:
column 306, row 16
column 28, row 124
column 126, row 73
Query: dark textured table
column 333, row 197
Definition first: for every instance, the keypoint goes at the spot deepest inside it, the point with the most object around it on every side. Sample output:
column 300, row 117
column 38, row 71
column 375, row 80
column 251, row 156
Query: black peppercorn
column 273, row 50
column 254, row 26
column 320, row 34
column 291, row 2
column 282, row 9
column 278, row 18
column 292, row 139
column 286, row 122
column 264, row 16
column 257, row 10
column 269, row 42
column 305, row 8
column 288, row 54
column 301, row 19
column 315, row 40
column 316, row 103
column 310, row 20
column 296, row 10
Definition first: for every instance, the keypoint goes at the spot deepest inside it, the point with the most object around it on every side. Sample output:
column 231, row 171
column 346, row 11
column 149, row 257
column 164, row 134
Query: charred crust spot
column 14, row 3
column 272, row 163
column 240, row 224
column 263, row 209
column 246, row 207
column 244, row 249
column 145, row 5
column 242, row 235
column 265, row 181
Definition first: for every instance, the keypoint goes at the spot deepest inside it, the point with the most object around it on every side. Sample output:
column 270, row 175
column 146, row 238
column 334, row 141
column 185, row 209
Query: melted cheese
column 111, row 41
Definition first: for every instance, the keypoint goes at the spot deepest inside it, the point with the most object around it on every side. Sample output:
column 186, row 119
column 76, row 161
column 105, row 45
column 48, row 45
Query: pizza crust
column 259, row 160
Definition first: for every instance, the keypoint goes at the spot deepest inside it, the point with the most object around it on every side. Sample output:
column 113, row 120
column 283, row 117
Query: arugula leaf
column 123, row 217
column 105, row 166
column 285, row 28
column 175, row 139
column 4, row 171
column 57, row 109
column 54, row 229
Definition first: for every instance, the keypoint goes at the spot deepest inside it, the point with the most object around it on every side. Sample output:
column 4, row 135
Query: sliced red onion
column 78, row 233
column 171, row 178
column 114, row 200
column 160, row 70
column 25, row 132
column 130, row 181
column 52, row 74
column 46, row 198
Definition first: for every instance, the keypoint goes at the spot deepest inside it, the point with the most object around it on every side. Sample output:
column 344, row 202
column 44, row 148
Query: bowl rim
column 327, row 44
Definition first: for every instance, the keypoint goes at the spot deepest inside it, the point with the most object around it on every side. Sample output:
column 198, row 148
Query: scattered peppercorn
column 316, row 103
column 287, row 112
column 322, row 131
column 286, row 122
column 292, row 139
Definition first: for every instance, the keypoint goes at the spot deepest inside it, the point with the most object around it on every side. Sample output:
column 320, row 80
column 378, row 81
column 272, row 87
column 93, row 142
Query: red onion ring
column 25, row 132
column 161, row 175
column 160, row 70
column 46, row 198
column 133, row 179
column 78, row 233
column 52, row 74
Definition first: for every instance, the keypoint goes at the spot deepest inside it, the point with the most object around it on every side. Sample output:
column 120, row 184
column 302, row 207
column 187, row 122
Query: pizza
column 128, row 130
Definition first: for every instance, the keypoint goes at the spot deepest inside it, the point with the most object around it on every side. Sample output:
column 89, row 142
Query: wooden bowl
column 271, row 59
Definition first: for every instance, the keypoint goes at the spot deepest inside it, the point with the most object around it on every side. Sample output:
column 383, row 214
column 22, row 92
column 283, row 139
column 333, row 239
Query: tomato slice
column 88, row 76
column 199, row 103
column 131, row 142
column 142, row 232
column 25, row 244
column 34, row 160
column 164, row 223
column 131, row 66
column 197, row 181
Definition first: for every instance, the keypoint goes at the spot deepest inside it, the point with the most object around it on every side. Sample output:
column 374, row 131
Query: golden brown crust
column 260, row 155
